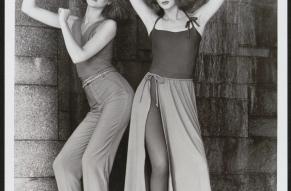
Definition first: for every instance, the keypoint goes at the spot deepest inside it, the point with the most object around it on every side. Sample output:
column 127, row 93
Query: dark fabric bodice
column 174, row 53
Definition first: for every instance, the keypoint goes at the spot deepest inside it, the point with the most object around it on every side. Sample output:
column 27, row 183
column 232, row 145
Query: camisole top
column 174, row 53
column 99, row 62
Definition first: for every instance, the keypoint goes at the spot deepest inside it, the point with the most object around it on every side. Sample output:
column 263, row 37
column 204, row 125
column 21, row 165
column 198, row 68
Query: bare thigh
column 154, row 134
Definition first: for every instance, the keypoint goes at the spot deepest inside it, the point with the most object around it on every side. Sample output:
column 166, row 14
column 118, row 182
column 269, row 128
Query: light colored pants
column 90, row 151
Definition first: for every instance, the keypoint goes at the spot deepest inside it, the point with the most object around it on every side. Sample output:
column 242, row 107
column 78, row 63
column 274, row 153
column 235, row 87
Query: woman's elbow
column 24, row 8
column 76, row 59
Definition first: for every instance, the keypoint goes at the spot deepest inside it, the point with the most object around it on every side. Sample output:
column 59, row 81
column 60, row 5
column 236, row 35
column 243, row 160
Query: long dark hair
column 117, row 10
column 185, row 5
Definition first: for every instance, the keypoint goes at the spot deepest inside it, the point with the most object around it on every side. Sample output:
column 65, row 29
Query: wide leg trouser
column 90, row 151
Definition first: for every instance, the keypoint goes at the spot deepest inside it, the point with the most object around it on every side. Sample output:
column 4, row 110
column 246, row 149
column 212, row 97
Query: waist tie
column 96, row 76
column 158, row 80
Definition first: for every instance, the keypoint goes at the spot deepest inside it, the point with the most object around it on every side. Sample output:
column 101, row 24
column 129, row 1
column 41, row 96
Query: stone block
column 228, row 13
column 260, row 126
column 223, row 117
column 214, row 153
column 243, row 182
column 35, row 184
column 232, row 182
column 226, row 155
column 213, row 90
column 66, row 74
column 64, row 101
column 266, row 26
column 254, row 52
column 35, row 112
column 263, row 181
column 224, row 69
column 240, row 155
column 246, row 25
column 36, row 42
column 262, row 100
column 219, row 38
column 266, row 70
column 262, row 155
column 35, row 158
column 65, row 128
column 30, row 70
column 126, row 40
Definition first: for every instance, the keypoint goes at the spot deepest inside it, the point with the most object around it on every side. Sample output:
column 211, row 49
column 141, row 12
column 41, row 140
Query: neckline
column 188, row 29
column 89, row 27
column 85, row 34
column 176, row 32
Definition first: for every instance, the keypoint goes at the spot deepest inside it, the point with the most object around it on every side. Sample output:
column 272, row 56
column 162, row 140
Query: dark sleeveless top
column 174, row 53
column 97, row 63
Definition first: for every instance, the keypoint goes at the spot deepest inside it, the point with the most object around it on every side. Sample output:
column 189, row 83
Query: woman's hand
column 63, row 15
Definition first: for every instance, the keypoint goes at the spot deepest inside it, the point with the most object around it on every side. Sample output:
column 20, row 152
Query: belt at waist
column 97, row 75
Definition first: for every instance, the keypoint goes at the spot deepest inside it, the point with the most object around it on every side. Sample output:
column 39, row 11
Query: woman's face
column 166, row 4
column 98, row 3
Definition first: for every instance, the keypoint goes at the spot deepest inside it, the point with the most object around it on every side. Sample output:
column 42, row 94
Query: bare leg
column 156, row 146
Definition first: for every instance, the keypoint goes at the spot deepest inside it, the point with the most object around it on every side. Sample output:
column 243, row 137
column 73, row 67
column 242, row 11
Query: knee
column 92, row 161
column 62, row 166
column 160, row 167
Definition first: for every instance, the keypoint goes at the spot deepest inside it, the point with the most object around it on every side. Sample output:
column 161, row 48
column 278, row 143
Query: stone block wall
column 235, row 79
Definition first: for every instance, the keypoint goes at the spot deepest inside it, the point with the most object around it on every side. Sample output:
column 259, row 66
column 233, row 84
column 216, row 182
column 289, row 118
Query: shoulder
column 108, row 24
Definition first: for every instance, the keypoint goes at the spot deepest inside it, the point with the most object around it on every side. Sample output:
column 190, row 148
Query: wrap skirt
column 187, row 160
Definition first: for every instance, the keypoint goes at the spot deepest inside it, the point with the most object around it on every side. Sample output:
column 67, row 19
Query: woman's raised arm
column 147, row 15
column 47, row 17
column 205, row 12
column 102, row 36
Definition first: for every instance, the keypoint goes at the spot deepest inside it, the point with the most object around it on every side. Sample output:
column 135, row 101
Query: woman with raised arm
column 164, row 118
column 90, row 150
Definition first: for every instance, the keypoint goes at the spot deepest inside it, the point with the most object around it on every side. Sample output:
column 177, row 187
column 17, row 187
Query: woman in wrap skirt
column 164, row 120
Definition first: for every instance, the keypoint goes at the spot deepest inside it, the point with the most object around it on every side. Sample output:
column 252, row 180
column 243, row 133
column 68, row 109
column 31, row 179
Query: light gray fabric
column 90, row 151
column 176, row 101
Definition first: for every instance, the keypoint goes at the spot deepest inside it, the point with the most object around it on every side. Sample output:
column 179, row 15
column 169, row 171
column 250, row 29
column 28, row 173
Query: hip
column 107, row 86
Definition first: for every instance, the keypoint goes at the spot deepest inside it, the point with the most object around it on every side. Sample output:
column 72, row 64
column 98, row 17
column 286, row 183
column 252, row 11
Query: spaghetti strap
column 191, row 20
column 154, row 25
column 156, row 22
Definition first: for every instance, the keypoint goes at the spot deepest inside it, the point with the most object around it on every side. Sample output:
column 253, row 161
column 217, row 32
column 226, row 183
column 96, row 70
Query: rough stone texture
column 266, row 127
column 37, row 42
column 241, row 155
column 35, row 112
column 235, row 80
column 252, row 182
column 223, row 117
column 35, row 158
column 263, row 100
column 224, row 69
column 65, row 127
column 41, row 71
column 35, row 184
column 212, row 90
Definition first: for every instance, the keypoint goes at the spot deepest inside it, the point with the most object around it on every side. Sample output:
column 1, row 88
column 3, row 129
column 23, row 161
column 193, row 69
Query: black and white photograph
column 146, row 95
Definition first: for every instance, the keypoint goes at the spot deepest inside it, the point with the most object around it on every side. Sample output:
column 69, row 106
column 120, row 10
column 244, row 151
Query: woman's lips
column 165, row 2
